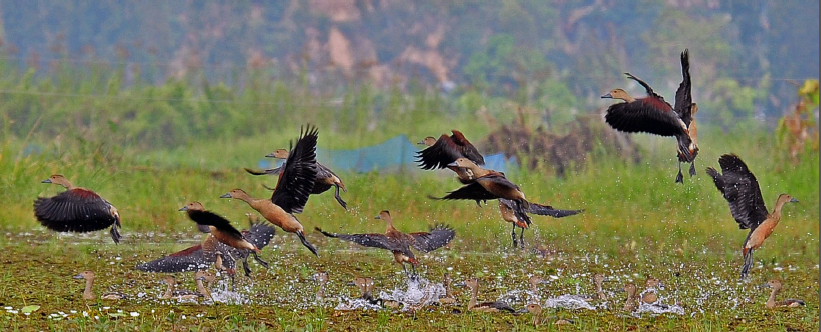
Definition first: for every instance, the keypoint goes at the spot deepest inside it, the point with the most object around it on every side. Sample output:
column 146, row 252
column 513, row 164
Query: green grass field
column 637, row 223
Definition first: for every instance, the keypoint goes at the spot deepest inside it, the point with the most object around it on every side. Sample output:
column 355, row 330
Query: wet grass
column 637, row 223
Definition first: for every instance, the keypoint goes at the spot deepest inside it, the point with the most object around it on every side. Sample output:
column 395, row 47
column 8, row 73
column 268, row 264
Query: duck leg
column 306, row 243
column 245, row 267
column 339, row 198
column 522, row 238
column 513, row 235
column 748, row 262
column 692, row 168
column 259, row 260
column 679, row 177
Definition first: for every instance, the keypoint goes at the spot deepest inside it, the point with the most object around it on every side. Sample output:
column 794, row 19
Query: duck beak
column 460, row 284
column 79, row 276
column 793, row 200
column 351, row 283
column 228, row 195
column 46, row 181
column 377, row 217
column 270, row 155
column 184, row 208
column 453, row 164
column 607, row 96
column 521, row 311
column 765, row 285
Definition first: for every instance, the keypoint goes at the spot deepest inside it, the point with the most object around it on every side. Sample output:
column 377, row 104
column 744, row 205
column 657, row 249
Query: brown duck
column 775, row 284
column 475, row 305
column 440, row 153
column 76, row 210
column 740, row 188
column 509, row 215
column 293, row 187
column 203, row 255
column 652, row 114
column 325, row 177
column 488, row 184
column 632, row 301
column 400, row 243
column 220, row 228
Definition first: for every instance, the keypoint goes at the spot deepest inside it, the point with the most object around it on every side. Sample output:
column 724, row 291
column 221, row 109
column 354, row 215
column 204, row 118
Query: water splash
column 419, row 292
column 571, row 302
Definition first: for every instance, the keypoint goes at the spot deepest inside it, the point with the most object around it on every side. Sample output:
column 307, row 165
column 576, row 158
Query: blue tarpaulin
column 394, row 154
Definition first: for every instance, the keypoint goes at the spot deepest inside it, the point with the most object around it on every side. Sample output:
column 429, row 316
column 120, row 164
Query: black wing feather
column 67, row 212
column 638, row 116
column 434, row 239
column 740, row 188
column 212, row 219
column 546, row 210
column 683, row 95
column 472, row 191
column 368, row 240
column 299, row 174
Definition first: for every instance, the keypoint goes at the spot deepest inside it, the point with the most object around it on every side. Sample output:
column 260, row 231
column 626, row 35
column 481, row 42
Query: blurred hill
column 558, row 56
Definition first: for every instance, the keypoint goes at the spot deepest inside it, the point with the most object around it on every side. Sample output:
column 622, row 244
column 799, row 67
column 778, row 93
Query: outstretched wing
column 446, row 150
column 368, row 240
column 212, row 219
column 298, row 175
column 76, row 210
column 663, row 105
column 683, row 95
column 189, row 259
column 270, row 171
column 547, row 210
column 643, row 115
column 741, row 191
column 259, row 234
column 434, row 239
column 472, row 191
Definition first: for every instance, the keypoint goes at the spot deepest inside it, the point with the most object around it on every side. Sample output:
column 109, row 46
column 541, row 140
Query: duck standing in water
column 400, row 243
column 652, row 114
column 76, row 210
column 740, row 188
column 475, row 305
column 775, row 284
column 295, row 183
column 632, row 301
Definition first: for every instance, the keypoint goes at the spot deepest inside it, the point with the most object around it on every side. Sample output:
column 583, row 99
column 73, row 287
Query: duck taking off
column 740, row 188
column 76, row 210
column 653, row 115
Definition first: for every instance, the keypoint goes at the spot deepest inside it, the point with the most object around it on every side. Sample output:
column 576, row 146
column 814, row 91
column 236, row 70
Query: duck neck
column 477, row 171
column 771, row 299
column 599, row 291
column 245, row 198
column 87, row 293
column 320, row 293
column 474, row 294
column 202, row 290
column 779, row 204
column 169, row 291
column 389, row 225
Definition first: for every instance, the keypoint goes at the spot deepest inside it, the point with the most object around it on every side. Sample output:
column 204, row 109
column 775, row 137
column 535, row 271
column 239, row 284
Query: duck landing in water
column 474, row 305
column 400, row 243
column 203, row 255
column 88, row 294
column 775, row 284
column 652, row 114
column 325, row 177
column 740, row 188
column 220, row 228
column 76, row 210
column 508, row 214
